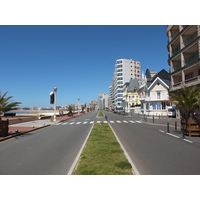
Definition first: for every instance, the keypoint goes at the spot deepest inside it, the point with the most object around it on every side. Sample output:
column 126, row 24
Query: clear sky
column 79, row 60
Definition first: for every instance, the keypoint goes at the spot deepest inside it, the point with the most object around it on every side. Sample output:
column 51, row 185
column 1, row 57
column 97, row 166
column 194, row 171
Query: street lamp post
column 55, row 91
column 78, row 105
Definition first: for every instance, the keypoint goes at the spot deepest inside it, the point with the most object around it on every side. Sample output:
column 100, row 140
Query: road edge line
column 136, row 172
column 79, row 153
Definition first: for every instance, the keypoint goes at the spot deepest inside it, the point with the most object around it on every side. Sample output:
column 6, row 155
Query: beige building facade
column 184, row 55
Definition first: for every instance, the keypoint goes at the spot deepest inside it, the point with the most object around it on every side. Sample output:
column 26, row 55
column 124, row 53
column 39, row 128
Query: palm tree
column 70, row 108
column 6, row 104
column 188, row 98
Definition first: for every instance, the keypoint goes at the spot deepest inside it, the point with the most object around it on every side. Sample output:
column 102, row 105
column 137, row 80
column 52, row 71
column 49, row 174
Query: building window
column 158, row 95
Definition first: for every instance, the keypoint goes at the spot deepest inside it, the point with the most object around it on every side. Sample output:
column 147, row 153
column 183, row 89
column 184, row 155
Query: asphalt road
column 153, row 151
column 52, row 150
column 48, row 151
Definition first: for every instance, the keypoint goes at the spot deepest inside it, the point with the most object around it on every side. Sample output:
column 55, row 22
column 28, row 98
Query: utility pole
column 55, row 91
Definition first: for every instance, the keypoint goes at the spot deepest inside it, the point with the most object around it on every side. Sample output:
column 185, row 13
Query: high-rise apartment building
column 103, row 100
column 125, row 69
column 184, row 55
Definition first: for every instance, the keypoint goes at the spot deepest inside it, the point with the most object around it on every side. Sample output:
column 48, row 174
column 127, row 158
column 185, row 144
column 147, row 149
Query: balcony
column 191, row 59
column 190, row 39
column 189, row 82
column 176, row 50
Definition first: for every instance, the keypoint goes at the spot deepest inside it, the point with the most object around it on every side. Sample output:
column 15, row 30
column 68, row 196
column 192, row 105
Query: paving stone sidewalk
column 25, row 127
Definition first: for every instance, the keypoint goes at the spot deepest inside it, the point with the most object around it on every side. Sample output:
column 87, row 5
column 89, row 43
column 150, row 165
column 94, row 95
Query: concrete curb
column 135, row 171
column 75, row 163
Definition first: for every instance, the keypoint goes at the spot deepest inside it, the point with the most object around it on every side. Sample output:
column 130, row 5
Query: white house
column 154, row 93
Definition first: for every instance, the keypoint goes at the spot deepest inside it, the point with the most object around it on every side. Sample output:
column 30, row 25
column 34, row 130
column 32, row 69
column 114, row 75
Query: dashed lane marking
column 173, row 135
column 187, row 140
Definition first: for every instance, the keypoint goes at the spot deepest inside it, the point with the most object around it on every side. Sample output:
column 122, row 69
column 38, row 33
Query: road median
column 102, row 154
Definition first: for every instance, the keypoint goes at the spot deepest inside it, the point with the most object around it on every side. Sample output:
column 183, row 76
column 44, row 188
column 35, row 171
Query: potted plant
column 6, row 104
column 188, row 99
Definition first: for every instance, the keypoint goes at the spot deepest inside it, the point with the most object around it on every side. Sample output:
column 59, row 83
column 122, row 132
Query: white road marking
column 131, row 121
column 105, row 122
column 98, row 121
column 118, row 121
column 65, row 123
column 173, row 135
column 58, row 124
column 162, row 131
column 139, row 122
column 112, row 122
column 84, row 122
column 125, row 121
column 71, row 123
column 78, row 122
column 92, row 122
column 187, row 140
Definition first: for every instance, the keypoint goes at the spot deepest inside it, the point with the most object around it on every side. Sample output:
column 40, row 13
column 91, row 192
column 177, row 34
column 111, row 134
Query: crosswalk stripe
column 92, row 122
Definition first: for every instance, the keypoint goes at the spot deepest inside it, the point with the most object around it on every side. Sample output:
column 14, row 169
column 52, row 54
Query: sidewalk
column 161, row 120
column 25, row 127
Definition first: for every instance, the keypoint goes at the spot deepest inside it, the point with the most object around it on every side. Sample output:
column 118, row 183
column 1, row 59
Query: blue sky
column 79, row 60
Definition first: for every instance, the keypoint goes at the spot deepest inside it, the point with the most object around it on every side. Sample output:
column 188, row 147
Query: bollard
column 183, row 130
column 106, row 117
column 175, row 125
column 168, row 127
column 153, row 118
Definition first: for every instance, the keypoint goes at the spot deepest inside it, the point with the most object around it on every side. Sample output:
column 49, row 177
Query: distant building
column 103, row 101
column 154, row 93
column 125, row 69
column 93, row 105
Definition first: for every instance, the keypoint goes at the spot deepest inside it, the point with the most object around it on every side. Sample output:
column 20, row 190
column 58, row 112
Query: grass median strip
column 102, row 154
column 100, row 114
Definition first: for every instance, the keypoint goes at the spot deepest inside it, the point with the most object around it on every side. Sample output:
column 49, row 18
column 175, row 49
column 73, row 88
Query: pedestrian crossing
column 92, row 122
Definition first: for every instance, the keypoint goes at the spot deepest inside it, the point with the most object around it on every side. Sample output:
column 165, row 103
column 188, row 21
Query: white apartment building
column 125, row 69
column 103, row 101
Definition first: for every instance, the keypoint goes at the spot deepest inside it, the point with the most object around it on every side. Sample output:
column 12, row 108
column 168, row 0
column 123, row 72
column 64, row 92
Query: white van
column 171, row 112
